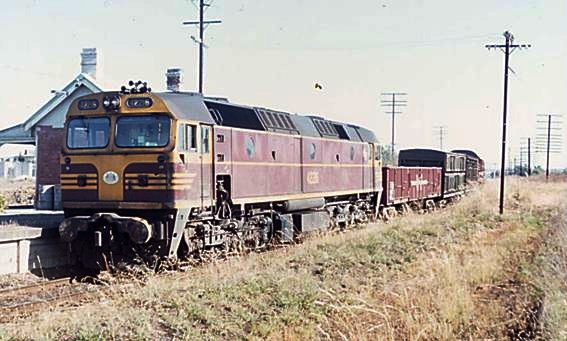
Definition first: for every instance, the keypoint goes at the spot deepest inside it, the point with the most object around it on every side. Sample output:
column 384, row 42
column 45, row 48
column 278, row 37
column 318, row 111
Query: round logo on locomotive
column 110, row 177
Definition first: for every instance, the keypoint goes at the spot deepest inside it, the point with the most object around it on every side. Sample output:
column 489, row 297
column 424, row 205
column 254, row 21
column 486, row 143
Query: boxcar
column 474, row 165
column 453, row 167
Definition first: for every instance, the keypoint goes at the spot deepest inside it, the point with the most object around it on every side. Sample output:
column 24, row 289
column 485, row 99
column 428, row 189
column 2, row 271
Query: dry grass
column 461, row 273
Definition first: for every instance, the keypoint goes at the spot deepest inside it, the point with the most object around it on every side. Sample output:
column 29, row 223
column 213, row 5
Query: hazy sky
column 271, row 53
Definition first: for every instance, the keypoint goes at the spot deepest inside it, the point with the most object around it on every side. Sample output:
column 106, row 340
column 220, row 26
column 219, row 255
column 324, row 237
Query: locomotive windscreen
column 142, row 131
column 88, row 132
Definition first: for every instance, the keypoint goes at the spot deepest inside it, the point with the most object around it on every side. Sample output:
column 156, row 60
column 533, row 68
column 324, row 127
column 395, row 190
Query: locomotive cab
column 130, row 165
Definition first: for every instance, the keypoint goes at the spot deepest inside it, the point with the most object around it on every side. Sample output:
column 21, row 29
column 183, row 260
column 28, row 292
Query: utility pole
column 507, row 48
column 525, row 147
column 529, row 156
column 521, row 164
column 548, row 145
column 441, row 131
column 393, row 104
column 202, row 24
column 549, row 142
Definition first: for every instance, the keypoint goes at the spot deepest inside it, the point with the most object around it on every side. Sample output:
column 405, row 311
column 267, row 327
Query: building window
column 377, row 153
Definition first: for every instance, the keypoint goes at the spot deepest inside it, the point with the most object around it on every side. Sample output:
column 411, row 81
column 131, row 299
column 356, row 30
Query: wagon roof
column 467, row 152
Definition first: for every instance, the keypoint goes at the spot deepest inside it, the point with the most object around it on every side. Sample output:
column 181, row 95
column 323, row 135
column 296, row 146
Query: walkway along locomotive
column 170, row 174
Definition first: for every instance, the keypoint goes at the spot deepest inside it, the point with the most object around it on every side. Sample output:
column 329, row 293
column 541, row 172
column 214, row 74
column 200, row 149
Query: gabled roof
column 16, row 134
column 81, row 79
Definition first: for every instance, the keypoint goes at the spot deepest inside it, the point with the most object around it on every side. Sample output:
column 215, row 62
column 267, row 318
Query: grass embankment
column 461, row 273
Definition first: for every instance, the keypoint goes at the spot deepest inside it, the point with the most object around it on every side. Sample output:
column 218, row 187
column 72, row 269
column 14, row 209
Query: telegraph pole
column 548, row 145
column 507, row 48
column 393, row 104
column 201, row 24
column 441, row 131
column 546, row 140
column 529, row 156
column 521, row 163
column 525, row 147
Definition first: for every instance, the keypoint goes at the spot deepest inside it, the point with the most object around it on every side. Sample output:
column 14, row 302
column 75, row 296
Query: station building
column 44, row 130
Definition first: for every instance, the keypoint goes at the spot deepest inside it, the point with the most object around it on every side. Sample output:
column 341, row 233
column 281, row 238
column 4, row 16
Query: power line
column 507, row 48
column 201, row 23
column 551, row 143
column 393, row 104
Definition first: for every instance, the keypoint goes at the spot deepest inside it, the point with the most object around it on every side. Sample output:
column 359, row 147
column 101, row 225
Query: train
column 168, row 175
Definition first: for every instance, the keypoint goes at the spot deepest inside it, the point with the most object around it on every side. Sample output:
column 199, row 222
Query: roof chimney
column 174, row 79
column 88, row 62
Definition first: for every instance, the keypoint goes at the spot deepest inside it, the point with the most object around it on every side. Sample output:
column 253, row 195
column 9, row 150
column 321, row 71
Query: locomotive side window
column 250, row 146
column 312, row 151
column 181, row 140
column 378, row 153
column 142, row 131
column 205, row 132
column 191, row 133
column 88, row 132
column 187, row 137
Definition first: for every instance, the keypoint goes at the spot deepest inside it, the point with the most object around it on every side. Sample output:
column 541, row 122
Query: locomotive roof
column 217, row 110
column 187, row 105
column 259, row 118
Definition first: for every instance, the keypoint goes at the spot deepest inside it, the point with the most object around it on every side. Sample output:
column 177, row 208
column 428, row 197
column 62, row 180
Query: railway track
column 24, row 300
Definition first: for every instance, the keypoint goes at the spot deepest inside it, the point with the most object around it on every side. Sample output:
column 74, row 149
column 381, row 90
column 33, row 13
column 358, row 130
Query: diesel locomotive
column 171, row 174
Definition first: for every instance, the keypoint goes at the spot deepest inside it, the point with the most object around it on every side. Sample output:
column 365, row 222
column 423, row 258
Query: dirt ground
column 18, row 192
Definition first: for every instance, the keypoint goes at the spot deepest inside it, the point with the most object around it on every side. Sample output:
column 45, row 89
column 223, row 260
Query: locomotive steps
column 460, row 273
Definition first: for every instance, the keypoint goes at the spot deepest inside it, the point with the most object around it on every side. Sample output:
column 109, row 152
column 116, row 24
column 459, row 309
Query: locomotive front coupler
column 138, row 229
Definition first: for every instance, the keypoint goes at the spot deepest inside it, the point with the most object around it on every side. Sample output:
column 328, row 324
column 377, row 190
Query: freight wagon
column 453, row 167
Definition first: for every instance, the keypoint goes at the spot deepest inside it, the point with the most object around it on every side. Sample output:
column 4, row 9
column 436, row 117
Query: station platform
column 31, row 217
column 29, row 241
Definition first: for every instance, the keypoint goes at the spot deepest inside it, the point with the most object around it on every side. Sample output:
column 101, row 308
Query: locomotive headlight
column 110, row 177
column 111, row 102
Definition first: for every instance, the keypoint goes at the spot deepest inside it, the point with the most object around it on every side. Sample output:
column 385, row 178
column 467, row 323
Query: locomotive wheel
column 430, row 206
column 384, row 214
column 190, row 245
column 404, row 209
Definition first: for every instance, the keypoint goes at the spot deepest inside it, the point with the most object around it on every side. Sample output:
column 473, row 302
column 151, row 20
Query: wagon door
column 206, row 157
